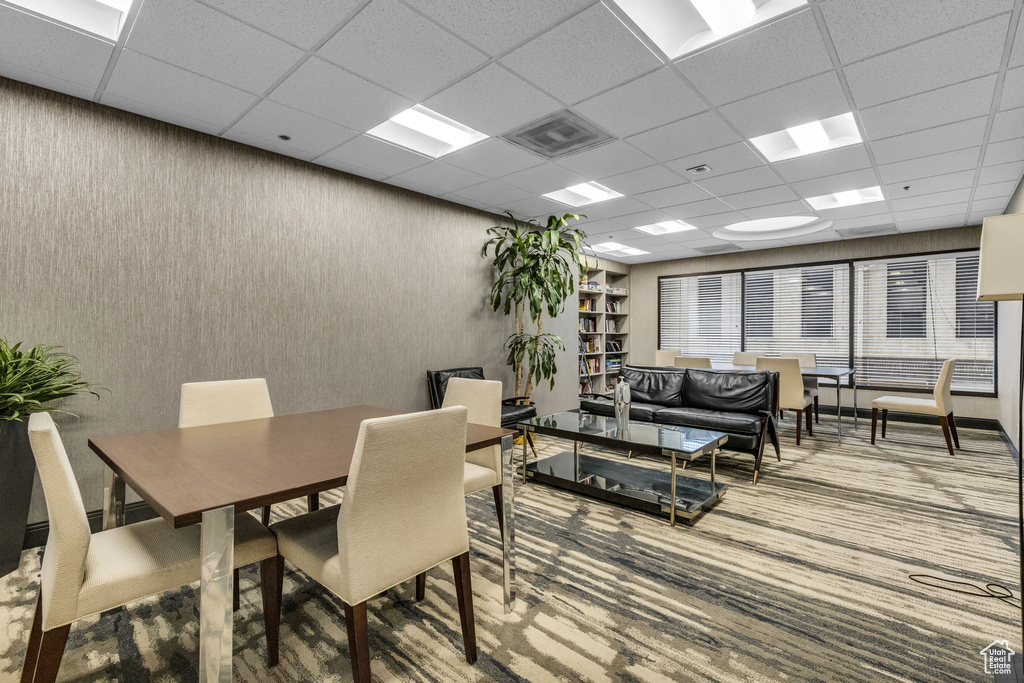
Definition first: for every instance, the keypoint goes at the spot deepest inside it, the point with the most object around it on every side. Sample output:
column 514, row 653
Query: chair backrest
column 807, row 360
column 233, row 400
column 404, row 510
column 942, row 387
column 68, row 542
column 791, row 384
column 745, row 357
column 482, row 398
column 437, row 381
column 693, row 362
column 666, row 357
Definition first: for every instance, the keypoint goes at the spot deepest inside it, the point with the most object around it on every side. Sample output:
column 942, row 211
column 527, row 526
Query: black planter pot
column 17, row 470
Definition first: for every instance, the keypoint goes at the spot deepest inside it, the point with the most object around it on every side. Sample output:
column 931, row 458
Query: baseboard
column 1009, row 442
column 37, row 532
column 965, row 422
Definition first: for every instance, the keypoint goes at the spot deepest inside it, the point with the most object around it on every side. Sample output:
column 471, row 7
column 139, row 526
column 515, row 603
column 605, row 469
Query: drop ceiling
column 936, row 88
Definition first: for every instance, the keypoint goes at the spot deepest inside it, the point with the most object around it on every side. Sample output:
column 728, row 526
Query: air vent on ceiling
column 868, row 231
column 557, row 135
column 718, row 249
column 697, row 170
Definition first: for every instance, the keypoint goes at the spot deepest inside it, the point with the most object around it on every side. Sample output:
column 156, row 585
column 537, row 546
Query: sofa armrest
column 590, row 395
column 515, row 400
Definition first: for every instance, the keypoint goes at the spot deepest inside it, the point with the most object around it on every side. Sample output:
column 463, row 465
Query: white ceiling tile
column 153, row 112
column 754, row 198
column 932, row 212
column 375, row 155
column 200, row 39
column 651, row 178
column 324, row 90
column 440, row 178
column 923, row 201
column 953, row 57
column 46, row 81
column 649, row 242
column 544, row 178
column 839, row 182
column 812, row 99
column 612, row 208
column 351, row 168
column 939, row 183
column 536, row 206
column 715, row 221
column 996, row 205
column 768, row 57
column 584, row 55
column 683, row 193
column 935, row 108
column 393, row 46
column 276, row 146
column 996, row 190
column 880, row 220
column 921, row 143
column 1000, row 173
column 603, row 227
column 1017, row 55
column 937, row 164
column 300, row 22
column 494, row 158
column 741, row 181
column 850, row 158
column 941, row 223
column 608, row 159
column 728, row 159
column 867, row 27
column 647, row 102
column 977, row 218
column 493, row 101
column 310, row 134
column 1004, row 152
column 1013, row 89
column 28, row 42
column 1007, row 124
column 776, row 210
column 497, row 26
column 164, row 87
column 492, row 193
column 685, row 138
column 705, row 207
column 856, row 211
column 649, row 217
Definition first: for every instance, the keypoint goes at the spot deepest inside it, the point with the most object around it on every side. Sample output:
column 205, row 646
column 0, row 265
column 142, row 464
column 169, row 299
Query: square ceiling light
column 427, row 132
column 864, row 195
column 679, row 27
column 104, row 18
column 809, row 138
column 616, row 249
column 665, row 227
column 584, row 194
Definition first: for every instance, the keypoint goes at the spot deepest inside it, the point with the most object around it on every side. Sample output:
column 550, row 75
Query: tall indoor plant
column 31, row 381
column 537, row 268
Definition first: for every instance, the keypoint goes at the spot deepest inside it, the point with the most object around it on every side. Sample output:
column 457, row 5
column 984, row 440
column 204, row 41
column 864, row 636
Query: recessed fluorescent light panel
column 665, row 227
column 865, row 195
column 583, row 194
column 616, row 249
column 679, row 27
column 427, row 132
column 104, row 18
column 809, row 138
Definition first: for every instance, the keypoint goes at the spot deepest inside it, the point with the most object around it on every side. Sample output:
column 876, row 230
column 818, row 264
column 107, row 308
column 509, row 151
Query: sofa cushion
column 513, row 415
column 715, row 420
column 603, row 405
column 732, row 391
column 660, row 386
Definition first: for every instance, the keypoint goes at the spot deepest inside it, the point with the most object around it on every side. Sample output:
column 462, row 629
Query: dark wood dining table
column 207, row 475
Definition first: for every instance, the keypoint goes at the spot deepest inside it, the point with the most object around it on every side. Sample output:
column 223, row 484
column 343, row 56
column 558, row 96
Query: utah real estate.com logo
column 997, row 657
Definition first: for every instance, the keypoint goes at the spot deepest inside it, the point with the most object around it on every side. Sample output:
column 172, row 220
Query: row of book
column 613, row 363
column 612, row 307
column 589, row 345
column 613, row 345
column 590, row 366
column 588, row 325
column 613, row 326
column 588, row 304
column 589, row 286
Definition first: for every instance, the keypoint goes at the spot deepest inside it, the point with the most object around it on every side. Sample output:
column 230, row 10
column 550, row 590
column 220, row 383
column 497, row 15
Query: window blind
column 700, row 315
column 912, row 313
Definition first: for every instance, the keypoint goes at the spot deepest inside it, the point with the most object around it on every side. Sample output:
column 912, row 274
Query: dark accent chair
column 513, row 409
column 741, row 404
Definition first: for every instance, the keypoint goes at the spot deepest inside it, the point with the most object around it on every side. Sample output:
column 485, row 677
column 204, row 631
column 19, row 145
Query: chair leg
column 235, row 602
column 313, row 502
column 51, row 651
column 272, row 584
column 499, row 502
column 421, row 586
column 817, row 413
column 874, row 424
column 464, row 592
column 757, row 459
column 773, row 434
column 945, row 432
column 529, row 440
column 952, row 429
column 28, row 669
column 265, row 515
column 358, row 641
column 798, row 421
column 885, row 420
column 810, row 427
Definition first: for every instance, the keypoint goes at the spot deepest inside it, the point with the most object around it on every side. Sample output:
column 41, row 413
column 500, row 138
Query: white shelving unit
column 603, row 324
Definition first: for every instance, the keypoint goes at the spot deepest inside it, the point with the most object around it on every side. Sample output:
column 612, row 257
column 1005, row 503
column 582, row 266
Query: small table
column 207, row 474
column 630, row 485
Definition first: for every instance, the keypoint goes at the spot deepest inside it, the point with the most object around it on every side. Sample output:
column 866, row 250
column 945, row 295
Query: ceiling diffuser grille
column 718, row 249
column 868, row 231
column 557, row 135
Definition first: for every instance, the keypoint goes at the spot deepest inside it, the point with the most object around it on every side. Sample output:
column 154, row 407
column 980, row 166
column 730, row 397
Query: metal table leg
column 839, row 411
column 713, row 452
column 524, row 432
column 113, row 499
column 853, row 384
column 215, row 595
column 507, row 512
column 672, row 493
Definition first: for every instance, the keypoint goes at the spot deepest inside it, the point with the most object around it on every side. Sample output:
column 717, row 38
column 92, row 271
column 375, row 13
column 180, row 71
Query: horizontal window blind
column 700, row 315
column 910, row 314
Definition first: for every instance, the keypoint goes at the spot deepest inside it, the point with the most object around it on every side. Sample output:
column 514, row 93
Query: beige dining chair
column 792, row 395
column 809, row 360
column 666, row 357
column 940, row 405
column 745, row 357
column 693, row 362
column 404, row 512
column 84, row 574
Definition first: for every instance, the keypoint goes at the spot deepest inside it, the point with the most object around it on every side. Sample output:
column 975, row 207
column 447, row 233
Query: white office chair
column 404, row 512
column 693, row 362
column 745, row 357
column 940, row 405
column 809, row 360
column 792, row 395
column 84, row 574
column 666, row 358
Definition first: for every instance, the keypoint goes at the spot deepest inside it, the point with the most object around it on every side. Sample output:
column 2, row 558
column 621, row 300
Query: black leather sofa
column 740, row 404
column 514, row 409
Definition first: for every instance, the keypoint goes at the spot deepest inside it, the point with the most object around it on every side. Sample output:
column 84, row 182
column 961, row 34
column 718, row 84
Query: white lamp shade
column 1001, row 266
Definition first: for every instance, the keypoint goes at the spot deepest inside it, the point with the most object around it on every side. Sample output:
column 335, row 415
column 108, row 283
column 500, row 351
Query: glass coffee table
column 624, row 483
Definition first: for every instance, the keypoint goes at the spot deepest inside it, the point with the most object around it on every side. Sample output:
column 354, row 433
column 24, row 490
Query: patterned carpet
column 800, row 578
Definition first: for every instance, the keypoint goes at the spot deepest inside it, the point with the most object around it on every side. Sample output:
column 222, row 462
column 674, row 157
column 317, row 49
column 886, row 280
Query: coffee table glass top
column 669, row 437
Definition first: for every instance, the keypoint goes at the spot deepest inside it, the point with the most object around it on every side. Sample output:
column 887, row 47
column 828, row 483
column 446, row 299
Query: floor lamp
column 1001, row 278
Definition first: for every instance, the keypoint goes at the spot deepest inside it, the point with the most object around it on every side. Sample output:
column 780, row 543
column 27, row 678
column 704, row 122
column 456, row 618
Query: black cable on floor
column 989, row 590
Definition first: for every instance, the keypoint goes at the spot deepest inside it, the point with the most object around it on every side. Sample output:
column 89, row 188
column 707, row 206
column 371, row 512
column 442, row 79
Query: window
column 817, row 294
column 974, row 319
column 709, row 306
column 906, row 299
column 700, row 315
column 760, row 305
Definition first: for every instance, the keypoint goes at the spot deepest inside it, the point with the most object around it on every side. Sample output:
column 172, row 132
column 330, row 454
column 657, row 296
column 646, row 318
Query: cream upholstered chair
column 482, row 398
column 940, row 405
column 792, row 395
column 808, row 360
column 84, row 574
column 693, row 362
column 404, row 512
column 666, row 358
column 745, row 357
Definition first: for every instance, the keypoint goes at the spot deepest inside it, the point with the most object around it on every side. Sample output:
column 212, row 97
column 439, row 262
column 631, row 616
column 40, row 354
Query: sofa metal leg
column 885, row 420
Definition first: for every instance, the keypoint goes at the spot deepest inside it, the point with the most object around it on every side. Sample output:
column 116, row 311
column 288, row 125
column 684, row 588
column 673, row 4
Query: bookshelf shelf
column 601, row 351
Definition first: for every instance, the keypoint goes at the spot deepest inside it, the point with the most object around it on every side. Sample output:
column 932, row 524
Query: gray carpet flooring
column 803, row 577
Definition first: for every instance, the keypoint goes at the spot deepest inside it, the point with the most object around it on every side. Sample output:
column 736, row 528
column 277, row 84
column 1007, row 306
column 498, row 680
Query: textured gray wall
column 159, row 255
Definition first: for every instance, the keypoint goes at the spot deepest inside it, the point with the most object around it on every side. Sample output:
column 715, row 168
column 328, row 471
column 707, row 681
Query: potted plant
column 537, row 268
column 30, row 381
